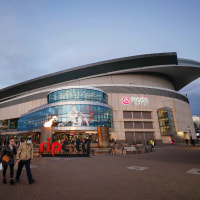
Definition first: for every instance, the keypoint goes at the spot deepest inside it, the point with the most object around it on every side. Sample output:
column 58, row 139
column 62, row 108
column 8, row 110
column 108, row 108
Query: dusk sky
column 38, row 37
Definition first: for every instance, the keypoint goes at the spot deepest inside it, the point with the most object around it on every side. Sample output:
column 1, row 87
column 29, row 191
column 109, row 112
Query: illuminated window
column 166, row 121
column 13, row 123
column 77, row 94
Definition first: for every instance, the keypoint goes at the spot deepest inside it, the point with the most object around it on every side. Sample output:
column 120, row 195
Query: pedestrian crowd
column 76, row 146
column 23, row 151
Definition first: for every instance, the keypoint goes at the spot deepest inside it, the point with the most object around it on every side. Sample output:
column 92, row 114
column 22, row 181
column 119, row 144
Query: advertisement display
column 76, row 108
column 68, row 115
column 76, row 118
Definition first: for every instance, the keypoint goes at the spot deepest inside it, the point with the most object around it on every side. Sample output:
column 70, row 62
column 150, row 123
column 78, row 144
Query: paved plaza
column 169, row 172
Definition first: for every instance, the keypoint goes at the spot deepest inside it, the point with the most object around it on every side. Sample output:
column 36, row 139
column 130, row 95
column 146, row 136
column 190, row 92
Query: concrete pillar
column 45, row 133
column 103, row 137
column 8, row 124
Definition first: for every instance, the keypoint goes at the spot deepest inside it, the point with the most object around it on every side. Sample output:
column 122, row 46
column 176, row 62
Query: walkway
column 167, row 173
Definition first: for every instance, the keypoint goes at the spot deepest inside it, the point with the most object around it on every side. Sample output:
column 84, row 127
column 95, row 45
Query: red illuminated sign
column 55, row 147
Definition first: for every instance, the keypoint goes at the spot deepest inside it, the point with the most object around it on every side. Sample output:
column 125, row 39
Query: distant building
column 196, row 120
column 133, row 99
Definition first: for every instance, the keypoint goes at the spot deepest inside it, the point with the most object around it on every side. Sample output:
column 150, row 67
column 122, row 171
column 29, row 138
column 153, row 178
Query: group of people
column 24, row 155
column 85, row 145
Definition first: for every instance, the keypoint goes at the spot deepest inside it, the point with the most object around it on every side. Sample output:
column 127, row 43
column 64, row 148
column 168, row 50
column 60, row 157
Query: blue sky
column 39, row 37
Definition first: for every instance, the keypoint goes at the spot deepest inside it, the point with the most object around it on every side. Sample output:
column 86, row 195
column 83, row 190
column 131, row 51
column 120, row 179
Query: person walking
column 0, row 144
column 24, row 157
column 83, row 146
column 9, row 151
column 186, row 141
column 78, row 144
column 64, row 144
column 88, row 147
column 152, row 143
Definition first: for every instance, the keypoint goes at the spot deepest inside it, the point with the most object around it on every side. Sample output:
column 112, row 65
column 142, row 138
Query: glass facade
column 166, row 121
column 70, row 115
column 77, row 94
column 4, row 124
column 13, row 123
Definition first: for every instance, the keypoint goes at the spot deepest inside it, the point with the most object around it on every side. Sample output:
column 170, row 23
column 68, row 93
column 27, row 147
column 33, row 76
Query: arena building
column 134, row 99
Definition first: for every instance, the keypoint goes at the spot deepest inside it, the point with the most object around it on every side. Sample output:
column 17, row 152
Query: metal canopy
column 160, row 64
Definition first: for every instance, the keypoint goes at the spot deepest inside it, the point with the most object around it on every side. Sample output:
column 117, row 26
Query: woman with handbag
column 7, row 158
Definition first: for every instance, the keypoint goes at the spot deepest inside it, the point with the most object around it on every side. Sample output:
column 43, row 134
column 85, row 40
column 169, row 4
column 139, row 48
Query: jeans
column 11, row 170
column 28, row 169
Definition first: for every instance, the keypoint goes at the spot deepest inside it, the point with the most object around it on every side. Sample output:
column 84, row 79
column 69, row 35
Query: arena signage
column 137, row 101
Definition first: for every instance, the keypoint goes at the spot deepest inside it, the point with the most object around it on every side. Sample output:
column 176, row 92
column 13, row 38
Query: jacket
column 25, row 152
column 10, row 153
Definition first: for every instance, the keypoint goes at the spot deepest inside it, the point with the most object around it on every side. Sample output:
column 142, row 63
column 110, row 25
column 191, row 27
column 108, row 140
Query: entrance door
column 138, row 137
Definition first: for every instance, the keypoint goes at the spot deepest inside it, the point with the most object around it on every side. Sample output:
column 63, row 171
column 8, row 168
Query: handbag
column 6, row 158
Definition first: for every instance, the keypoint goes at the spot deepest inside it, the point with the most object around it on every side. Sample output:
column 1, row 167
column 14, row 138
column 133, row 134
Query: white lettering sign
column 137, row 101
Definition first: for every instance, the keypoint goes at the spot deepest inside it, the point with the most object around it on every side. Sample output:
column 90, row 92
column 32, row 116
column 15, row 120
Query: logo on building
column 137, row 101
column 126, row 100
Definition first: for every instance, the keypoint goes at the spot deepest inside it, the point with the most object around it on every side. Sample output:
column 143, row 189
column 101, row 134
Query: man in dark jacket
column 65, row 142
column 88, row 147
column 77, row 144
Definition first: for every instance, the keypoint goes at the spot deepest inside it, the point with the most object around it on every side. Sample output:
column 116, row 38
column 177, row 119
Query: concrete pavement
column 161, row 174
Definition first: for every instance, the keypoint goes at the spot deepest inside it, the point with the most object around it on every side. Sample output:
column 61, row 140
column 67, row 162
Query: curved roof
column 161, row 63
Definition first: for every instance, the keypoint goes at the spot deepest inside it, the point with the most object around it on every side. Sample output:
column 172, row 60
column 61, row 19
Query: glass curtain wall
column 68, row 115
column 166, row 121
column 77, row 94
column 75, row 115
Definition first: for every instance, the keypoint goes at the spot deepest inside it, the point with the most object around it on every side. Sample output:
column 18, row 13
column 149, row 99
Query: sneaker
column 16, row 180
column 32, row 181
column 12, row 182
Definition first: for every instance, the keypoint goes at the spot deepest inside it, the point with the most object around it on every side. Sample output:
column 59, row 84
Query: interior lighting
column 50, row 122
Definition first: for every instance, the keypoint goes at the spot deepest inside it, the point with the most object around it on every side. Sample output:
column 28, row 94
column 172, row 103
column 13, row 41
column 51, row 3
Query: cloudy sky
column 38, row 37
